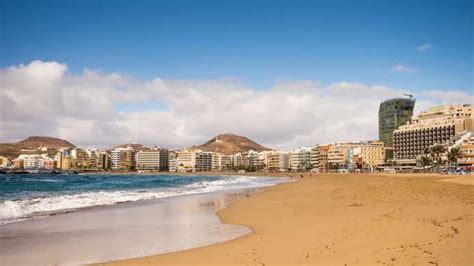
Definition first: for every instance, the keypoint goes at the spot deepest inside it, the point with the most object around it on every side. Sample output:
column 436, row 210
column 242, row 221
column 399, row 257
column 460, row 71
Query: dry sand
column 338, row 219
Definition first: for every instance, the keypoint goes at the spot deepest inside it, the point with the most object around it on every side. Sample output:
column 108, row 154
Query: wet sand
column 353, row 219
column 127, row 230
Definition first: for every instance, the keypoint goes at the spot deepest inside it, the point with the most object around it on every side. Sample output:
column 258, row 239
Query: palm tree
column 436, row 153
column 425, row 161
column 453, row 155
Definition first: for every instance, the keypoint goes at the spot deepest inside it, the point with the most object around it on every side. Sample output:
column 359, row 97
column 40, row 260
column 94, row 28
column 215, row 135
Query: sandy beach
column 346, row 219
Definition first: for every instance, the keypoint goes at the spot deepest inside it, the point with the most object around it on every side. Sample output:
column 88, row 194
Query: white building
column 30, row 161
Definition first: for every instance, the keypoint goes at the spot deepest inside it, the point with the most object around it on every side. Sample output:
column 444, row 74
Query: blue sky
column 257, row 42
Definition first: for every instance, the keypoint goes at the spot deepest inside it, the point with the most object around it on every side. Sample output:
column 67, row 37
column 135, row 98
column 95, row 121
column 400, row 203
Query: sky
column 175, row 73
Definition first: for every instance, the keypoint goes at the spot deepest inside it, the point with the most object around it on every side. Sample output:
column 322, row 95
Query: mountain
column 230, row 144
column 12, row 150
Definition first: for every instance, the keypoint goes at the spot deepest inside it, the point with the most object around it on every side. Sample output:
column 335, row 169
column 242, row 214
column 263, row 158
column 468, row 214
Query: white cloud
column 424, row 47
column 42, row 98
column 449, row 96
column 403, row 69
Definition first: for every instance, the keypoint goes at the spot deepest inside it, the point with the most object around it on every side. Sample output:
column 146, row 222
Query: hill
column 12, row 150
column 230, row 144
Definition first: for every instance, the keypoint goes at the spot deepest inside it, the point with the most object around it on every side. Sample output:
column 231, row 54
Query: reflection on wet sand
column 122, row 231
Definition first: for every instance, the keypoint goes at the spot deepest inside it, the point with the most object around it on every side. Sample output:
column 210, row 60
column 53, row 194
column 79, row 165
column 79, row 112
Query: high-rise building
column 392, row 114
column 438, row 125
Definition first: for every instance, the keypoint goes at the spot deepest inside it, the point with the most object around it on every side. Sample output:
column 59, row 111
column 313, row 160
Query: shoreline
column 354, row 218
column 15, row 210
column 128, row 230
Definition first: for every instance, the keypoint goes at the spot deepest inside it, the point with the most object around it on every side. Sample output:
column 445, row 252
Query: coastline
column 121, row 231
column 345, row 219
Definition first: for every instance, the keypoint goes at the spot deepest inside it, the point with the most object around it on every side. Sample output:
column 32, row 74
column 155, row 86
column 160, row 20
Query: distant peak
column 229, row 143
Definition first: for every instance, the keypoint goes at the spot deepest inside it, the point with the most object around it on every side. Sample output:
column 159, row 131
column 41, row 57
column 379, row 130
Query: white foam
column 11, row 211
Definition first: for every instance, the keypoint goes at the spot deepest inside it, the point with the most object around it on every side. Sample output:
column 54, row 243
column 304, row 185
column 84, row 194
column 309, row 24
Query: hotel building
column 438, row 125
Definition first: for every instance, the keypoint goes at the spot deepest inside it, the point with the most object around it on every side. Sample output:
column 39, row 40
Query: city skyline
column 123, row 76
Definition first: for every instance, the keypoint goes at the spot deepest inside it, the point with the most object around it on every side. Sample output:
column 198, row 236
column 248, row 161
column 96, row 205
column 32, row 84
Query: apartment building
column 273, row 161
column 81, row 158
column 236, row 160
column 276, row 161
column 123, row 159
column 251, row 160
column 438, row 125
column 220, row 162
column 46, row 162
column 300, row 159
column 314, row 154
column 341, row 155
column 323, row 158
column 103, row 161
column 152, row 159
column 467, row 152
column 372, row 154
column 4, row 162
column 172, row 162
column 93, row 155
column 203, row 161
column 186, row 160
column 337, row 156
column 225, row 162
column 30, row 161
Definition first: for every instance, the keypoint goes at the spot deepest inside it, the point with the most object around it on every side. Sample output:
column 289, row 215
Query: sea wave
column 15, row 210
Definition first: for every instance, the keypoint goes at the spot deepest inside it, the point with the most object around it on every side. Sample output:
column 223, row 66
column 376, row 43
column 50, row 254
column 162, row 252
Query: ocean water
column 31, row 195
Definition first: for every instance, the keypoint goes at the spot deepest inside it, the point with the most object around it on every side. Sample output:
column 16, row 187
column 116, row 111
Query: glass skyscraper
column 392, row 114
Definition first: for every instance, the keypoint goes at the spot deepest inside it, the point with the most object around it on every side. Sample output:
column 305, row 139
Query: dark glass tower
column 392, row 114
